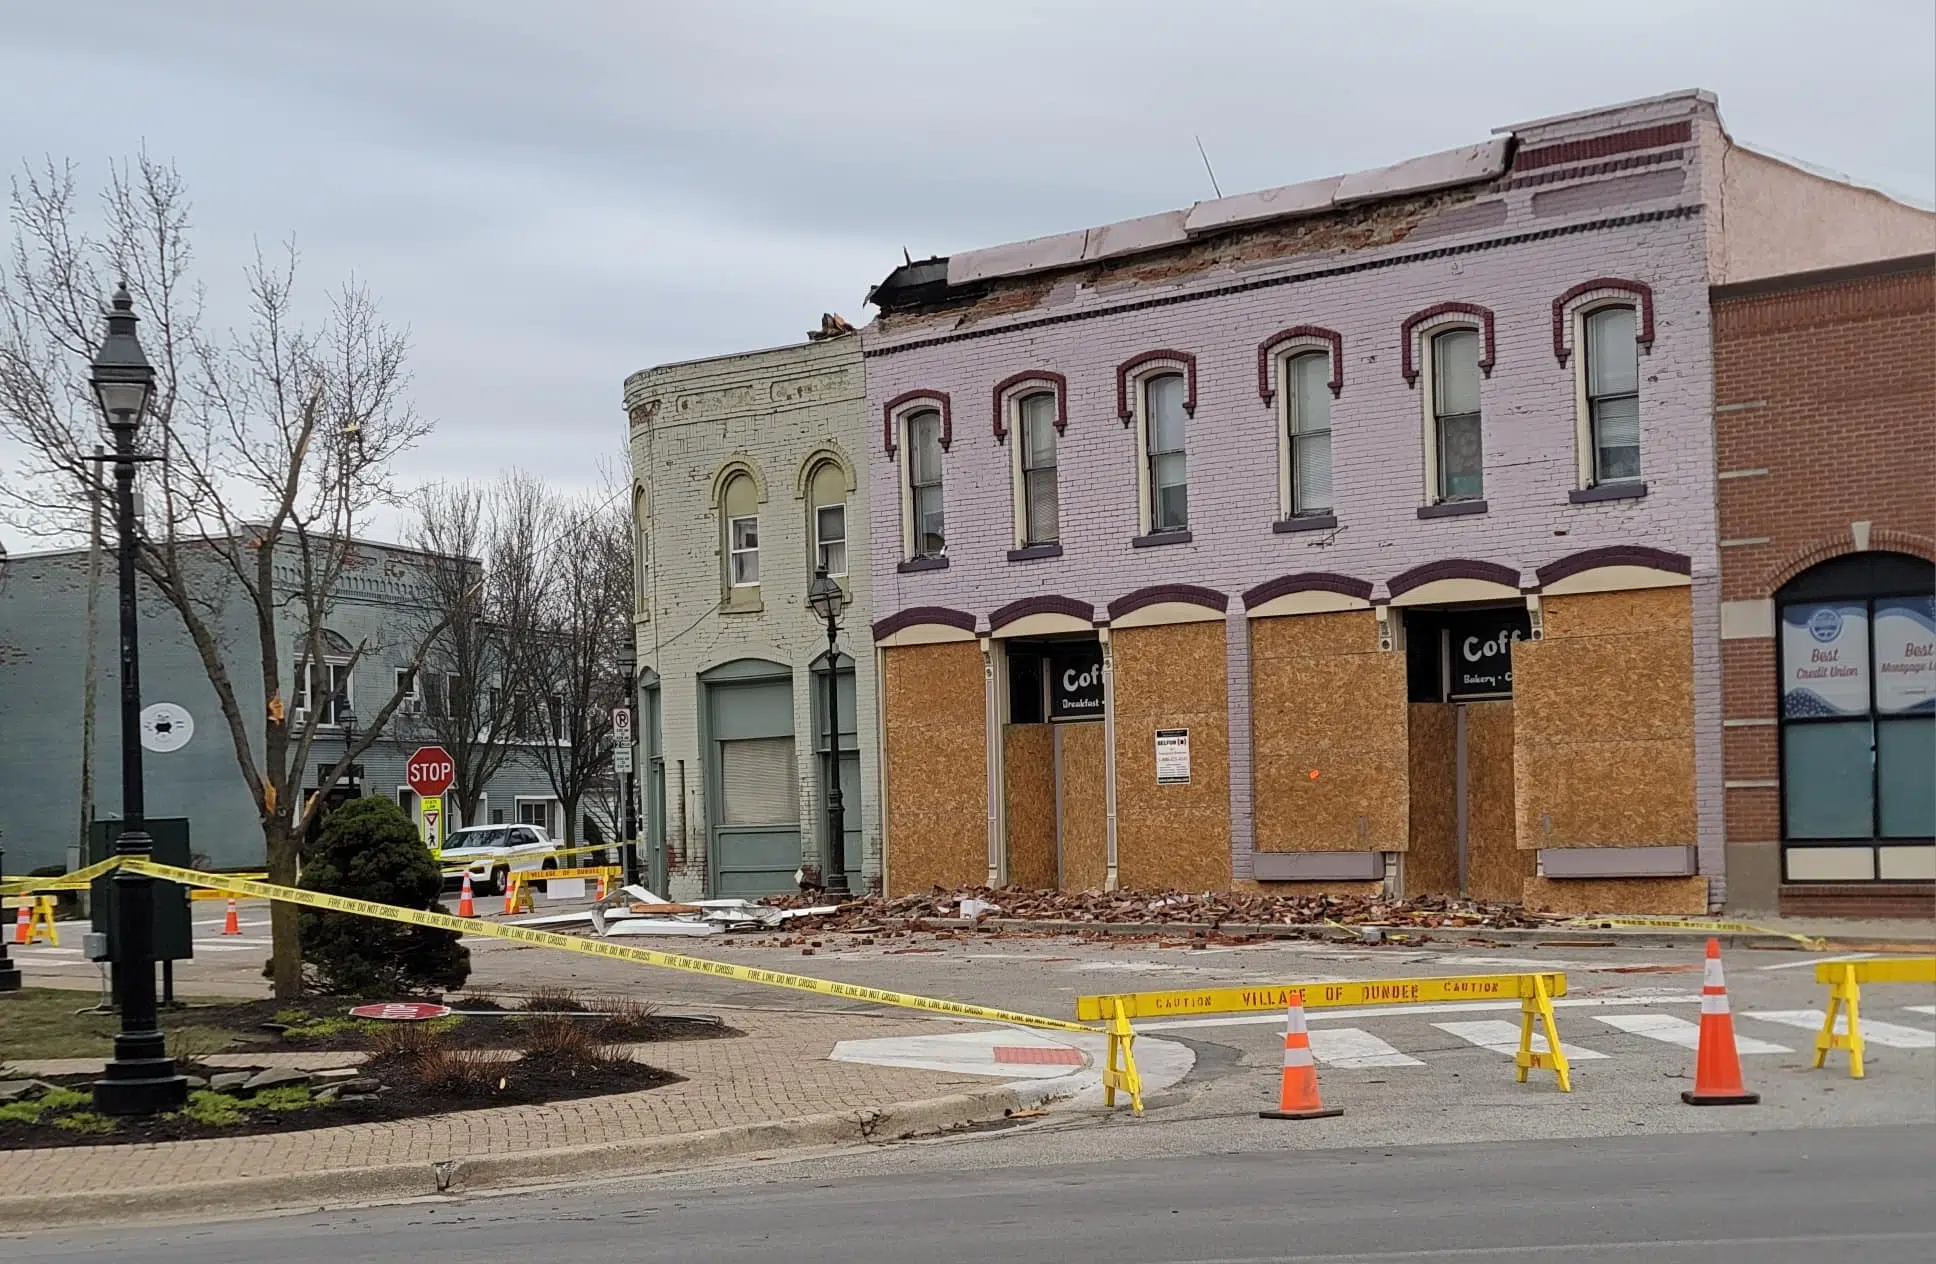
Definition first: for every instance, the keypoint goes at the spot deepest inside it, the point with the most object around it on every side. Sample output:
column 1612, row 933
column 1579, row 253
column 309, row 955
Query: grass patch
column 42, row 1023
column 215, row 1110
column 284, row 1097
column 554, row 1000
column 84, row 1121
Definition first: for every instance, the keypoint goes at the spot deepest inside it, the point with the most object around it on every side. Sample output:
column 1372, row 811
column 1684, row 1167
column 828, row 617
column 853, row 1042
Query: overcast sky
column 552, row 195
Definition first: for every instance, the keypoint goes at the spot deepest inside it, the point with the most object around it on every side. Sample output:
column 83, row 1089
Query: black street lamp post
column 826, row 599
column 141, row 1079
column 8, row 970
column 628, row 667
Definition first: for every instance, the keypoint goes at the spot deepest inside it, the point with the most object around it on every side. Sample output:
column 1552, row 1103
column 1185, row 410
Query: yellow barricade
column 1534, row 992
column 597, row 948
column 1845, row 980
column 40, row 920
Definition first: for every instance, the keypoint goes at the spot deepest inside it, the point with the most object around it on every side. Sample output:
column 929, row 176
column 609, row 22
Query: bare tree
column 273, row 441
column 482, row 563
column 585, row 610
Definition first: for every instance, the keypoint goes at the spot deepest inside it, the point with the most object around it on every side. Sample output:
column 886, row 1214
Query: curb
column 396, row 1182
column 1562, row 936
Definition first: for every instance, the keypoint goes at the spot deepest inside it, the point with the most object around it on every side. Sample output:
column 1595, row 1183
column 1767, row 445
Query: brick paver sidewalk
column 778, row 1070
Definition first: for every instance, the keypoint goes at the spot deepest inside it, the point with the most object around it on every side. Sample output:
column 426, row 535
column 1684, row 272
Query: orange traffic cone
column 1717, row 1066
column 465, row 907
column 1297, row 1098
column 23, row 925
column 231, row 923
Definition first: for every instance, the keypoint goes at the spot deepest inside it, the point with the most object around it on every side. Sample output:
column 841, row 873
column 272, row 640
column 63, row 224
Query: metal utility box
column 174, row 935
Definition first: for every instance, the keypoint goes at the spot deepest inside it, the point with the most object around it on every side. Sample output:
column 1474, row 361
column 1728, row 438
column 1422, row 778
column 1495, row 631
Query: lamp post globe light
column 627, row 660
column 141, row 1079
column 826, row 600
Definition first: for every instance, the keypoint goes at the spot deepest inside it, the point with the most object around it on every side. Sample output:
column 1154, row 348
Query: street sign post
column 622, row 726
column 430, row 771
column 432, row 811
column 622, row 758
column 400, row 1011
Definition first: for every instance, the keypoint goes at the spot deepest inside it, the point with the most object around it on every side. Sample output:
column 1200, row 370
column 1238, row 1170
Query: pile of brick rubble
column 1205, row 909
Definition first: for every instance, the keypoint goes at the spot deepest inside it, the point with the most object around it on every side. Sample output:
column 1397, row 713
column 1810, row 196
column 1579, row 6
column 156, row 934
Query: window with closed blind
column 758, row 782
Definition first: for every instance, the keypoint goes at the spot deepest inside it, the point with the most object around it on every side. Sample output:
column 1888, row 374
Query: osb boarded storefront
column 936, row 757
column 1170, row 678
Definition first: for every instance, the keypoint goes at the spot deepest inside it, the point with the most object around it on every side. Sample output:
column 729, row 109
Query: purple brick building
column 1194, row 566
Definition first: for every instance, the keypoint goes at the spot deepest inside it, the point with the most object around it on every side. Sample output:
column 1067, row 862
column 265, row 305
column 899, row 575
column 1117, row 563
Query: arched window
column 1166, row 474
column 1455, row 449
column 1610, row 372
column 827, row 510
column 1857, row 663
column 1306, row 394
column 1037, row 499
column 739, row 512
column 641, row 556
column 924, row 524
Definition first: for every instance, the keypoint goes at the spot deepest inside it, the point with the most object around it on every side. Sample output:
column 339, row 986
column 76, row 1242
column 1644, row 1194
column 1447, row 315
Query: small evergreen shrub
column 369, row 850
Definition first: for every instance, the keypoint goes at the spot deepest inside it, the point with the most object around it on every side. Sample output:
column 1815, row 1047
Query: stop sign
column 430, row 771
column 400, row 1011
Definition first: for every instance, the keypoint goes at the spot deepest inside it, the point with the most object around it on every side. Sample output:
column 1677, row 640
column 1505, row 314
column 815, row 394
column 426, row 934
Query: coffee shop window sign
column 1479, row 653
column 1075, row 681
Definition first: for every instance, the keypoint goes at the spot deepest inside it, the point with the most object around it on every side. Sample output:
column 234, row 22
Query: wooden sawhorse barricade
column 1534, row 992
column 1845, row 980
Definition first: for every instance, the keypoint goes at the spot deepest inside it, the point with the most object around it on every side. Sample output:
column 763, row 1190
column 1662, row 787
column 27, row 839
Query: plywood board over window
column 937, row 780
column 1028, row 788
column 1326, row 700
column 1172, row 677
column 1085, row 825
column 1603, row 726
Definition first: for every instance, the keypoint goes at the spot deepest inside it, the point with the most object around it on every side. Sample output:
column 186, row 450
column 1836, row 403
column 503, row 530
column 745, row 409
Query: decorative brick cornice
column 1055, row 381
column 1408, row 358
column 1266, row 389
column 1555, row 175
column 1642, row 293
column 1452, row 568
column 1616, row 555
column 1130, row 367
column 1603, row 146
column 1186, row 594
column 915, row 616
column 1307, row 581
column 1841, row 544
column 1041, row 605
column 899, row 404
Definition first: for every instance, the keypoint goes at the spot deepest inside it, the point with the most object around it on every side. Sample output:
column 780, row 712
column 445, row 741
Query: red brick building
column 1825, row 444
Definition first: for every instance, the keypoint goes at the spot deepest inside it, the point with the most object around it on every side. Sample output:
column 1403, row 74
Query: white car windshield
column 499, row 837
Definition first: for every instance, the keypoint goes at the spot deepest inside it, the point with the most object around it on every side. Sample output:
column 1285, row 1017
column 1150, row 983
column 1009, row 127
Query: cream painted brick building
column 746, row 475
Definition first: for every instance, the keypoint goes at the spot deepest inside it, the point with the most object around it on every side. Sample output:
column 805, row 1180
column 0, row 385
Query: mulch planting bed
column 325, row 1025
column 517, row 1083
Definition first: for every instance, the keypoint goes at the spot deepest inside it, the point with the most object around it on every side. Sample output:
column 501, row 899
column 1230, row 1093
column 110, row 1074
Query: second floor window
column 1456, row 438
column 1613, row 394
column 1307, row 423
column 1036, row 452
column 325, row 686
column 1168, row 467
column 827, row 492
column 740, row 508
column 927, row 529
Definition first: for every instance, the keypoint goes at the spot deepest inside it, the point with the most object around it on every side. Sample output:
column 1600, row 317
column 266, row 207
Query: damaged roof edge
column 930, row 280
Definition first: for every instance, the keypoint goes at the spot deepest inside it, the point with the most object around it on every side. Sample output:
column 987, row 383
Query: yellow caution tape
column 595, row 947
column 75, row 881
column 1677, row 923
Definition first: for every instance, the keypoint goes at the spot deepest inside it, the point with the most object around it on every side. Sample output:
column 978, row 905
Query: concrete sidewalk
column 769, row 1089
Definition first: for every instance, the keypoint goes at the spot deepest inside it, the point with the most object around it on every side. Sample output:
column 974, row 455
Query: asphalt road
column 1855, row 1195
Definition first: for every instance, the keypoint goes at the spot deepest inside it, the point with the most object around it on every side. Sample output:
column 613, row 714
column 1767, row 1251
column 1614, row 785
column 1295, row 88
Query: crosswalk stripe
column 1806, row 962
column 1503, row 1037
column 1921, row 1009
column 1352, row 1047
column 1678, row 1031
column 1876, row 1033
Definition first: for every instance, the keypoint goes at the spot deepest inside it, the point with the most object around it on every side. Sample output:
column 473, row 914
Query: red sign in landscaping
column 401, row 1011
column 430, row 771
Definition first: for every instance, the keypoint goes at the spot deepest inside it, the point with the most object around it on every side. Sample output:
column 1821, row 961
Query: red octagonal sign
column 401, row 1011
column 430, row 771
